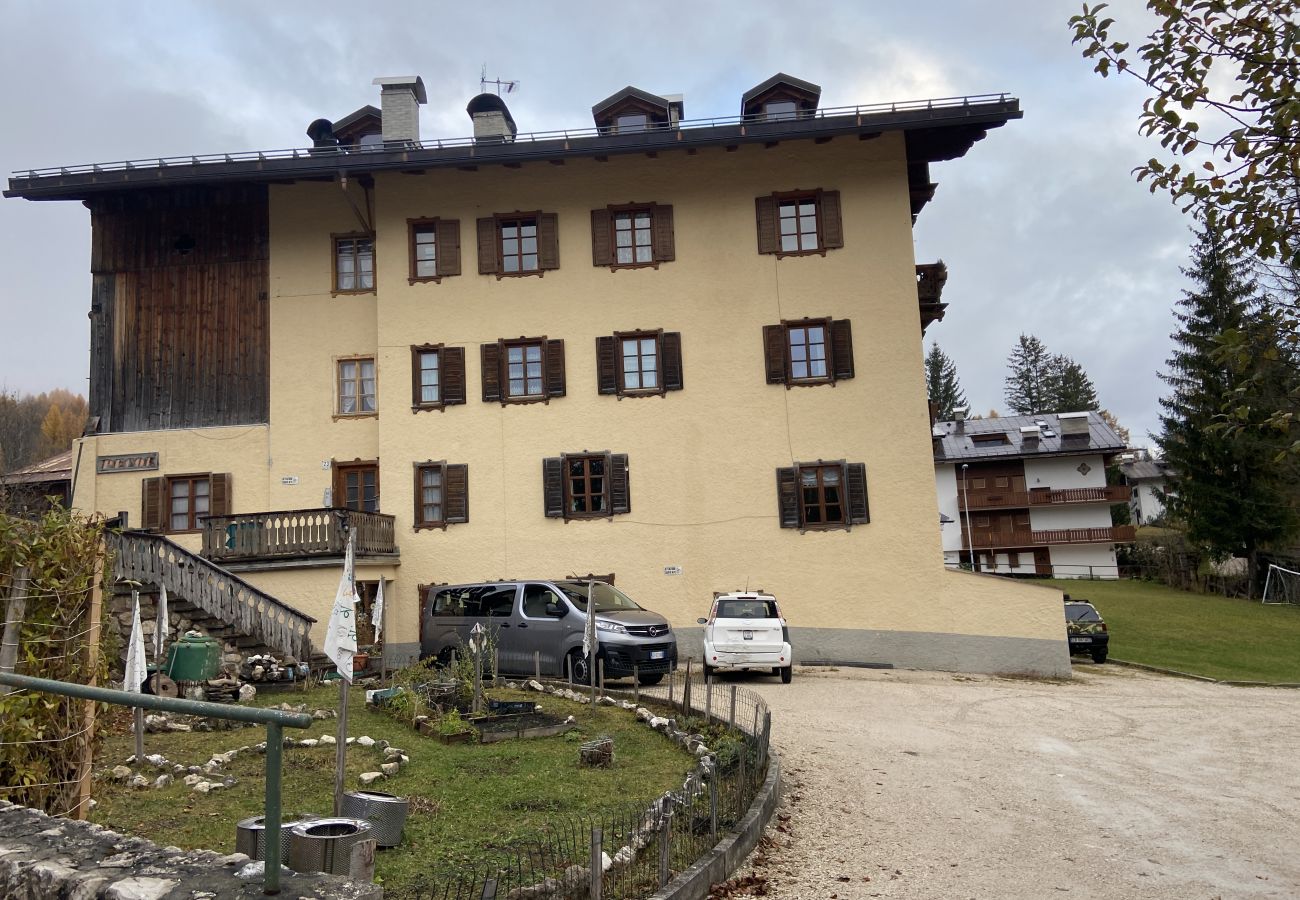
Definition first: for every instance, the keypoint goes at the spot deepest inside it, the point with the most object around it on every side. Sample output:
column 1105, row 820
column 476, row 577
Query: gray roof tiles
column 951, row 444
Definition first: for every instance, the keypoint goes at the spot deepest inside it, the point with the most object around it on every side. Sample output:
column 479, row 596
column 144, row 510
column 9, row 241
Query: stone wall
column 43, row 858
column 181, row 615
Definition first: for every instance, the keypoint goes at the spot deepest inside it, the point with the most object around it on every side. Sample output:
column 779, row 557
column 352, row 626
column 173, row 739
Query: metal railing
column 273, row 719
column 567, row 134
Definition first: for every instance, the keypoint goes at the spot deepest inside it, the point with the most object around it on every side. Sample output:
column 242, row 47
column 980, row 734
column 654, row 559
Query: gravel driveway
column 1116, row 784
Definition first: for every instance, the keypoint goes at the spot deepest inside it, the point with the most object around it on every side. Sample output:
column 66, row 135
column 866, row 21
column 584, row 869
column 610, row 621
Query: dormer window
column 629, row 122
column 780, row 98
column 779, row 110
column 632, row 110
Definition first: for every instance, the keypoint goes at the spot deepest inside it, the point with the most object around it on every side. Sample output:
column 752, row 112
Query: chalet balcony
column 299, row 534
column 1111, row 493
column 985, row 540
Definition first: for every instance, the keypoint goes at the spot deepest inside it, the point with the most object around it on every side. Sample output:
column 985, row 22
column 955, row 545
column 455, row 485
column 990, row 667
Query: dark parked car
column 1086, row 630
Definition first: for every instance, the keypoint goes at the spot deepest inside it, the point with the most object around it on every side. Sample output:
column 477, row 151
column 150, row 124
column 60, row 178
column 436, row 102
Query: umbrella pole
column 139, row 711
column 341, row 750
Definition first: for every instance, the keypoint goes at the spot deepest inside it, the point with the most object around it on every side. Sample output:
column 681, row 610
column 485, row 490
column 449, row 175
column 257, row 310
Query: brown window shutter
column 548, row 241
column 553, row 486
column 151, row 503
column 555, row 368
column 606, row 365
column 841, row 349
column 219, row 494
column 828, row 214
column 488, row 249
column 455, row 493
column 787, row 496
column 620, row 491
column 602, row 248
column 670, row 355
column 768, row 239
column 451, row 363
column 415, row 375
column 448, row 247
column 856, row 476
column 774, row 353
column 661, row 233
column 491, row 356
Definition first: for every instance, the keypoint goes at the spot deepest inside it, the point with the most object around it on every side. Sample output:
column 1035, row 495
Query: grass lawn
column 1237, row 640
column 475, row 798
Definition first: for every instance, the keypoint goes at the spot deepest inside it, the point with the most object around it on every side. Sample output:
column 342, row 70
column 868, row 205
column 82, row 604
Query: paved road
column 1117, row 784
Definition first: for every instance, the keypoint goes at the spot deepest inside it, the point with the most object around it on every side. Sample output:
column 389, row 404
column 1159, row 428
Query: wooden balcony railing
column 296, row 534
column 1113, row 493
column 1027, row 538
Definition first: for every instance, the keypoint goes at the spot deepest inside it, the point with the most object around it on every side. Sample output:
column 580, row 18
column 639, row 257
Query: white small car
column 745, row 631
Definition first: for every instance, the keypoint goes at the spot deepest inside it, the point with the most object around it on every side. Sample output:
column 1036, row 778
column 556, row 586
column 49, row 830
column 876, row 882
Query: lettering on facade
column 289, row 480
column 126, row 462
column 672, row 570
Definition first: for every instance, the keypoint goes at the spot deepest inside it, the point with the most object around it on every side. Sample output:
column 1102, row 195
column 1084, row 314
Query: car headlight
column 612, row 627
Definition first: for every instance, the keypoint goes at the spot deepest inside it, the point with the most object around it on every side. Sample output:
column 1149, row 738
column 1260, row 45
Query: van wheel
column 786, row 674
column 649, row 680
column 578, row 666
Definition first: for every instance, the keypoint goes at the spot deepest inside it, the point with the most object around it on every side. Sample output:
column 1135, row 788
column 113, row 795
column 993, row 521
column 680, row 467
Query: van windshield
column 607, row 597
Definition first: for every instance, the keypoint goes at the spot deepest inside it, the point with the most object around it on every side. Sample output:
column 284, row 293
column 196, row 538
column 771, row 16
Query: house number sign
column 126, row 462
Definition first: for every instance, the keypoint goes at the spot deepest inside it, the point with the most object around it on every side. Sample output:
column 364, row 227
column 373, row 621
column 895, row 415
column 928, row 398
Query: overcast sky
column 1042, row 226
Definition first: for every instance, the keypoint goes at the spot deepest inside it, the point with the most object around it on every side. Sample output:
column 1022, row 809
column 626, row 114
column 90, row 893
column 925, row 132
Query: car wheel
column 786, row 674
column 776, row 670
column 579, row 667
column 1099, row 656
column 648, row 680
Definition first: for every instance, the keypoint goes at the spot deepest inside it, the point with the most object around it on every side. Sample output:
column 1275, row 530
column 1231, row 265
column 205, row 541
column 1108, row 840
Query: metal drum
column 386, row 814
column 250, row 835
column 325, row 845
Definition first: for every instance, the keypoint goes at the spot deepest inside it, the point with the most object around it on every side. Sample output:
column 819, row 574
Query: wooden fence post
column 14, row 612
column 597, row 862
column 686, row 689
column 92, row 663
column 665, row 844
column 731, row 720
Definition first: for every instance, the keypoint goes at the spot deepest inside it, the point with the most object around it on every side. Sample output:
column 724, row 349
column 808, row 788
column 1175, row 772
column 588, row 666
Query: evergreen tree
column 941, row 382
column 1231, row 488
column 1070, row 389
column 1028, row 388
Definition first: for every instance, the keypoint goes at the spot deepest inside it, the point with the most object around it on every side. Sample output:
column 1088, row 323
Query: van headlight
column 612, row 627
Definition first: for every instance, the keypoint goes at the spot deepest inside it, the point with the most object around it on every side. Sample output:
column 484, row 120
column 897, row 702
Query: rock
column 202, row 787
column 246, row 693
column 701, row 750
column 327, row 740
column 121, row 773
column 605, row 862
column 118, row 861
column 369, row 778
column 191, row 780
column 228, row 781
column 351, row 741
column 309, row 742
column 322, row 714
column 157, row 760
column 606, row 701
column 570, row 721
column 384, row 745
column 390, row 768
column 366, row 741
column 140, row 887
column 658, row 723
column 138, row 782
column 535, row 685
column 234, row 859
column 392, row 752
column 644, row 714
column 163, row 781
column 177, row 769
column 179, row 726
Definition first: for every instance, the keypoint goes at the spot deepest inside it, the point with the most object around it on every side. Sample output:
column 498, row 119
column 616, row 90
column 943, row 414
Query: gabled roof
column 953, row 444
column 364, row 116
column 56, row 468
column 1145, row 470
column 618, row 98
column 808, row 90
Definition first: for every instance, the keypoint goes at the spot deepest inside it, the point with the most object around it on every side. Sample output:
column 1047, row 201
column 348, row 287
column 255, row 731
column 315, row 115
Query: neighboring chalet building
column 1029, row 494
column 1149, row 479
column 33, row 490
column 687, row 354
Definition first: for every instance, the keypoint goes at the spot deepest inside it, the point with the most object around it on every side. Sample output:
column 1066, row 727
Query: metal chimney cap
column 414, row 82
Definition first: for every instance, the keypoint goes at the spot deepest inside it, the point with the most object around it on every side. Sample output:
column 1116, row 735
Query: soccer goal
column 1281, row 585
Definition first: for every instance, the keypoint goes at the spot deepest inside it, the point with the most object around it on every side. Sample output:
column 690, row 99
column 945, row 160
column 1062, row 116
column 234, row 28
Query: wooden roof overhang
column 934, row 130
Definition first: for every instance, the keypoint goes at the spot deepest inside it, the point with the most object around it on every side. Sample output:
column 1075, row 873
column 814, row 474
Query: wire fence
column 635, row 851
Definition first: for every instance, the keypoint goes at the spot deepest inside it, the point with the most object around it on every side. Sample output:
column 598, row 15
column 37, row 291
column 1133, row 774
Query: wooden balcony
column 296, row 535
column 1115, row 534
column 1112, row 493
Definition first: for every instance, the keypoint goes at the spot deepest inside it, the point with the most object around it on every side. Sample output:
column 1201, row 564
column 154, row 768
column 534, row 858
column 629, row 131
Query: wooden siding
column 180, row 339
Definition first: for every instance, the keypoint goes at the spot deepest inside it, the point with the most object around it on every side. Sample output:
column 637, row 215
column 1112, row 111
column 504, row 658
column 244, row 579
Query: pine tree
column 941, row 382
column 1028, row 388
column 1070, row 388
column 1229, row 488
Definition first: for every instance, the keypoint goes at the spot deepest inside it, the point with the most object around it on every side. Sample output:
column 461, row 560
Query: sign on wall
column 126, row 462
column 672, row 570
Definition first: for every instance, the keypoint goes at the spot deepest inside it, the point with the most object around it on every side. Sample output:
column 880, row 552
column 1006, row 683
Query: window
column 629, row 122
column 177, row 503
column 354, row 263
column 441, row 494
column 633, row 236
column 822, row 495
column 356, row 387
column 437, row 376
column 779, row 110
column 808, row 351
column 990, row 437
column 356, row 486
column 586, row 485
column 523, row 371
column 799, row 223
column 639, row 363
column 435, row 249
column 518, row 244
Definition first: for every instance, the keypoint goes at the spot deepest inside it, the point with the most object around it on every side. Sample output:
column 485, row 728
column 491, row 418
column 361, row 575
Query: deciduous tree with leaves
column 941, row 382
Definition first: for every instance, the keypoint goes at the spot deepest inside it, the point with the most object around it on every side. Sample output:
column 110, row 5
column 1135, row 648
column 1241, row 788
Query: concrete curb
column 1205, row 678
column 723, row 859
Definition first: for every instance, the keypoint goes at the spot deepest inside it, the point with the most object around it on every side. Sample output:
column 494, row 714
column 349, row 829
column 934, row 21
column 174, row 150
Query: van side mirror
column 702, row 621
column 558, row 610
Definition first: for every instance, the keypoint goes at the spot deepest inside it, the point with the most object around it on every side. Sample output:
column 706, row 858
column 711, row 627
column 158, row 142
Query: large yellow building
column 687, row 355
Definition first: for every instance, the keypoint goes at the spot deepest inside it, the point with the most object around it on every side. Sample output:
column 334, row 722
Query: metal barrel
column 250, row 834
column 325, row 845
column 386, row 814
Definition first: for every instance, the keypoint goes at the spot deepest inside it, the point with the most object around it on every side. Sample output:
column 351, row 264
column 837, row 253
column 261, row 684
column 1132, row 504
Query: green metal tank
column 195, row 657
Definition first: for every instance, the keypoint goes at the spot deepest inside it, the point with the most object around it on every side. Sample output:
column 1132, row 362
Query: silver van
column 547, row 619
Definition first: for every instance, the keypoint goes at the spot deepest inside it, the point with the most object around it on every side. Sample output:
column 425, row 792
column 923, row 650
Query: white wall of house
column 946, row 486
column 1063, row 472
column 1074, row 515
column 1084, row 561
column 1145, row 504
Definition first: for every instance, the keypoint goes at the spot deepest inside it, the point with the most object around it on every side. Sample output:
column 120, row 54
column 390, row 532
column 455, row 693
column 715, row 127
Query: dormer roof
column 355, row 125
column 632, row 99
column 780, row 86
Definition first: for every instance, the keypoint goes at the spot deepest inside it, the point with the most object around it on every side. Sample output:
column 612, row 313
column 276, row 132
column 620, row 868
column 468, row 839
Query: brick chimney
column 400, row 97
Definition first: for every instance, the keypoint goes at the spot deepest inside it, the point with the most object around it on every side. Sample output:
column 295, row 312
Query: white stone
column 140, row 887
column 351, row 741
column 390, row 768
column 366, row 741
column 191, row 780
column 658, row 722
column 701, row 750
column 327, row 739
column 369, row 778
column 309, row 742
column 535, row 685
column 202, row 787
column 138, row 782
column 157, row 760
column 570, row 721
column 121, row 773
column 246, row 693
column 605, row 862
column 162, row 781
column 392, row 752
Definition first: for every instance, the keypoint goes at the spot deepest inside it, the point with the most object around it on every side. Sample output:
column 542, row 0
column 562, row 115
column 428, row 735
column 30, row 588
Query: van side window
column 454, row 602
column 536, row 597
column 498, row 602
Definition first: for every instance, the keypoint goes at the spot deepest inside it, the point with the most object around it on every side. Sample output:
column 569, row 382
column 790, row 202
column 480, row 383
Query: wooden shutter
column 553, row 486
column 548, row 241
column 151, row 503
column 491, row 357
column 774, row 353
column 415, row 374
column 602, row 248
column 856, row 476
column 451, row 365
column 488, row 249
column 555, row 368
column 607, row 365
column 620, row 493
column 670, row 359
column 661, row 233
column 219, row 494
column 787, row 496
column 828, row 214
column 455, row 493
column 448, row 238
column 769, row 241
column 841, row 349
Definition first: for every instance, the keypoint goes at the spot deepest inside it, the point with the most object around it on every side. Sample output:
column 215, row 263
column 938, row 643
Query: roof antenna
column 484, row 81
